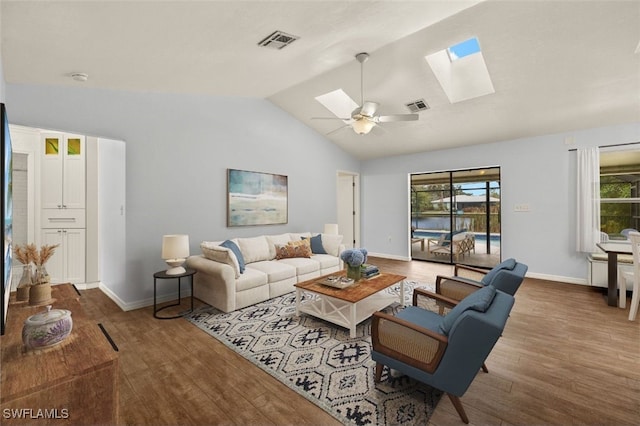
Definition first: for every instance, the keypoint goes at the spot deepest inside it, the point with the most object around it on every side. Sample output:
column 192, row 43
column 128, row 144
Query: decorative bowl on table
column 47, row 328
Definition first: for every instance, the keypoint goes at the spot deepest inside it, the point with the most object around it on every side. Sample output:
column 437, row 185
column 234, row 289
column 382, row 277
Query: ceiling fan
column 363, row 119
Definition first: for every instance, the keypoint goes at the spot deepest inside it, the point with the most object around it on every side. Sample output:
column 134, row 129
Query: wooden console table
column 75, row 382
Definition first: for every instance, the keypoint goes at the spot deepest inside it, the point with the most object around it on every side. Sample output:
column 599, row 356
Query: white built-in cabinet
column 63, row 213
column 63, row 171
column 68, row 263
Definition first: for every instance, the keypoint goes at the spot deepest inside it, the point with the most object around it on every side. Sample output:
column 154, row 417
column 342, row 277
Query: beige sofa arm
column 214, row 280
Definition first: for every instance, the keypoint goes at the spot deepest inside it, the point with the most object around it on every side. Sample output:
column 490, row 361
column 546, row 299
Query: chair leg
column 635, row 296
column 378, row 374
column 622, row 289
column 459, row 408
column 484, row 368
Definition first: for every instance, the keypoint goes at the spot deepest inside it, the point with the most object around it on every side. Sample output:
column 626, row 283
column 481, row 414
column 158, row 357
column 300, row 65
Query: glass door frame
column 464, row 210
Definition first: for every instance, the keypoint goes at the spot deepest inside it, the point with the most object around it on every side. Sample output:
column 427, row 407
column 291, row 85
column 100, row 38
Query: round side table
column 162, row 275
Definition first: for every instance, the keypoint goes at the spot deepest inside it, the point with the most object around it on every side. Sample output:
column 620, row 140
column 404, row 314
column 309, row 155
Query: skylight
column 338, row 102
column 461, row 71
column 465, row 48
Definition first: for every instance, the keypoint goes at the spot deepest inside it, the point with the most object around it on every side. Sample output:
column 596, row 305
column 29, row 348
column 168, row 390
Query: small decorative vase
column 353, row 272
column 42, row 276
column 39, row 293
column 22, row 291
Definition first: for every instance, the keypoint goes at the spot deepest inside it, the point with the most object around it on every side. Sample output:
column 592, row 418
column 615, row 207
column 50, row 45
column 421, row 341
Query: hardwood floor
column 565, row 358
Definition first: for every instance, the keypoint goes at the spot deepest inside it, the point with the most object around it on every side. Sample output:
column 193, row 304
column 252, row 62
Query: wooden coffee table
column 349, row 306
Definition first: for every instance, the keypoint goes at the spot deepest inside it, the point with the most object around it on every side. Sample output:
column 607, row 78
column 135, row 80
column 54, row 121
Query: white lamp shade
column 175, row 250
column 363, row 126
column 331, row 228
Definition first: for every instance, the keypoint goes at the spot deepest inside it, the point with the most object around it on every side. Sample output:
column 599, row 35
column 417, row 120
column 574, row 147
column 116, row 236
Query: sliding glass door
column 455, row 216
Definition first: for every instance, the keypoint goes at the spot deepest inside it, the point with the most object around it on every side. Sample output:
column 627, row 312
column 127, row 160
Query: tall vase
column 22, row 291
column 353, row 272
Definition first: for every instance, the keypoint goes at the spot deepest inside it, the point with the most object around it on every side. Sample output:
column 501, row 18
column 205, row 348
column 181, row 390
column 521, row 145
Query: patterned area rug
column 319, row 361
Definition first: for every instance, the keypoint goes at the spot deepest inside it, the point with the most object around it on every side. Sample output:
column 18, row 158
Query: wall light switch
column 522, row 208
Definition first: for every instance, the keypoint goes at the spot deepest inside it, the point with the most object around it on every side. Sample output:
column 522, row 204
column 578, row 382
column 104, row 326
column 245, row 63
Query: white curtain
column 588, row 209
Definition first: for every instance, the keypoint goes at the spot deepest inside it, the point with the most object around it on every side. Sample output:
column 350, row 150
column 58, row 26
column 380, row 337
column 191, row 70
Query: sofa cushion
column 251, row 278
column 254, row 249
column 214, row 251
column 508, row 264
column 479, row 301
column 295, row 236
column 275, row 240
column 275, row 271
column 326, row 260
column 292, row 249
column 316, row 245
column 331, row 244
column 303, row 265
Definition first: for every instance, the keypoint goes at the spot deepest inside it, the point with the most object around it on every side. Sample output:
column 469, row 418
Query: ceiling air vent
column 278, row 40
column 417, row 106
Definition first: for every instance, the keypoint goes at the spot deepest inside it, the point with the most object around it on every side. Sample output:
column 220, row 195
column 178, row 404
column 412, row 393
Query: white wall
column 539, row 171
column 178, row 148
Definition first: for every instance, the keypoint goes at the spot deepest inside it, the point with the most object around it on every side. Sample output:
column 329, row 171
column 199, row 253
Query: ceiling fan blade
column 330, row 118
column 397, row 117
column 338, row 129
column 369, row 108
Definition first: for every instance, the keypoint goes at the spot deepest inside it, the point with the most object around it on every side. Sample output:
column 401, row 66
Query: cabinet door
column 73, row 176
column 51, row 149
column 55, row 265
column 75, row 255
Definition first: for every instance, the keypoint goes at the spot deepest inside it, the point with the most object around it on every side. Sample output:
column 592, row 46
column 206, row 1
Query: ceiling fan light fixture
column 362, row 126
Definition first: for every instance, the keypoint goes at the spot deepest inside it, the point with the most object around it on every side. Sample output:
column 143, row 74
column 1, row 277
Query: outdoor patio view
column 455, row 217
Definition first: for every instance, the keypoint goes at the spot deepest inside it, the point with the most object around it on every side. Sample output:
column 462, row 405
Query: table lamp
column 175, row 250
column 331, row 228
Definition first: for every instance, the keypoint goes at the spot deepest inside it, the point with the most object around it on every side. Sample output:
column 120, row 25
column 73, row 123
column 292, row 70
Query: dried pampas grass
column 22, row 255
column 45, row 254
column 29, row 253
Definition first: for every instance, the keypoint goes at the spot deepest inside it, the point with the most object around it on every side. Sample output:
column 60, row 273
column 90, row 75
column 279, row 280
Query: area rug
column 321, row 362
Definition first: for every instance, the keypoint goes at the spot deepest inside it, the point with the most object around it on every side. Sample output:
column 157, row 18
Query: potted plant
column 354, row 258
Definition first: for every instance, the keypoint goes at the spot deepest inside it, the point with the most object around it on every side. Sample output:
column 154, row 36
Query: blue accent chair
column 445, row 352
column 506, row 277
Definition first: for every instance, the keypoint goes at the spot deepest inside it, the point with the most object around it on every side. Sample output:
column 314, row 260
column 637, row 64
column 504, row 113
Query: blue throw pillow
column 316, row 245
column 479, row 301
column 236, row 250
column 508, row 264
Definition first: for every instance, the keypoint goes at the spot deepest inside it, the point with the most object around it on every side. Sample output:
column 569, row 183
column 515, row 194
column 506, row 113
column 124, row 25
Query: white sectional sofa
column 223, row 282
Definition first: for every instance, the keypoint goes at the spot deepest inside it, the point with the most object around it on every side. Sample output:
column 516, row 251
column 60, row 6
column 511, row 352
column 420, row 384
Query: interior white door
column 112, row 225
column 348, row 208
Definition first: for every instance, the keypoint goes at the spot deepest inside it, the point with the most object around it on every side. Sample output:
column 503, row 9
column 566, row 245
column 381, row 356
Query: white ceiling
column 556, row 65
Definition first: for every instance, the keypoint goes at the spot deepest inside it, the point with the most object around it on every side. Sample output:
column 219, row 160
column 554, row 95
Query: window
column 619, row 197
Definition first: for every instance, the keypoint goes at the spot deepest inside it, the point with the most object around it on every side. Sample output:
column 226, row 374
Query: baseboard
column 390, row 256
column 558, row 278
column 130, row 306
column 87, row 286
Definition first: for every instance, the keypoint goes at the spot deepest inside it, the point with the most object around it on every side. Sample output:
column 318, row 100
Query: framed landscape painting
column 255, row 198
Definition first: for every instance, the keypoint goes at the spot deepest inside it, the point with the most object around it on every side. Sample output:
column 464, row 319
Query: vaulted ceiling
column 555, row 66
